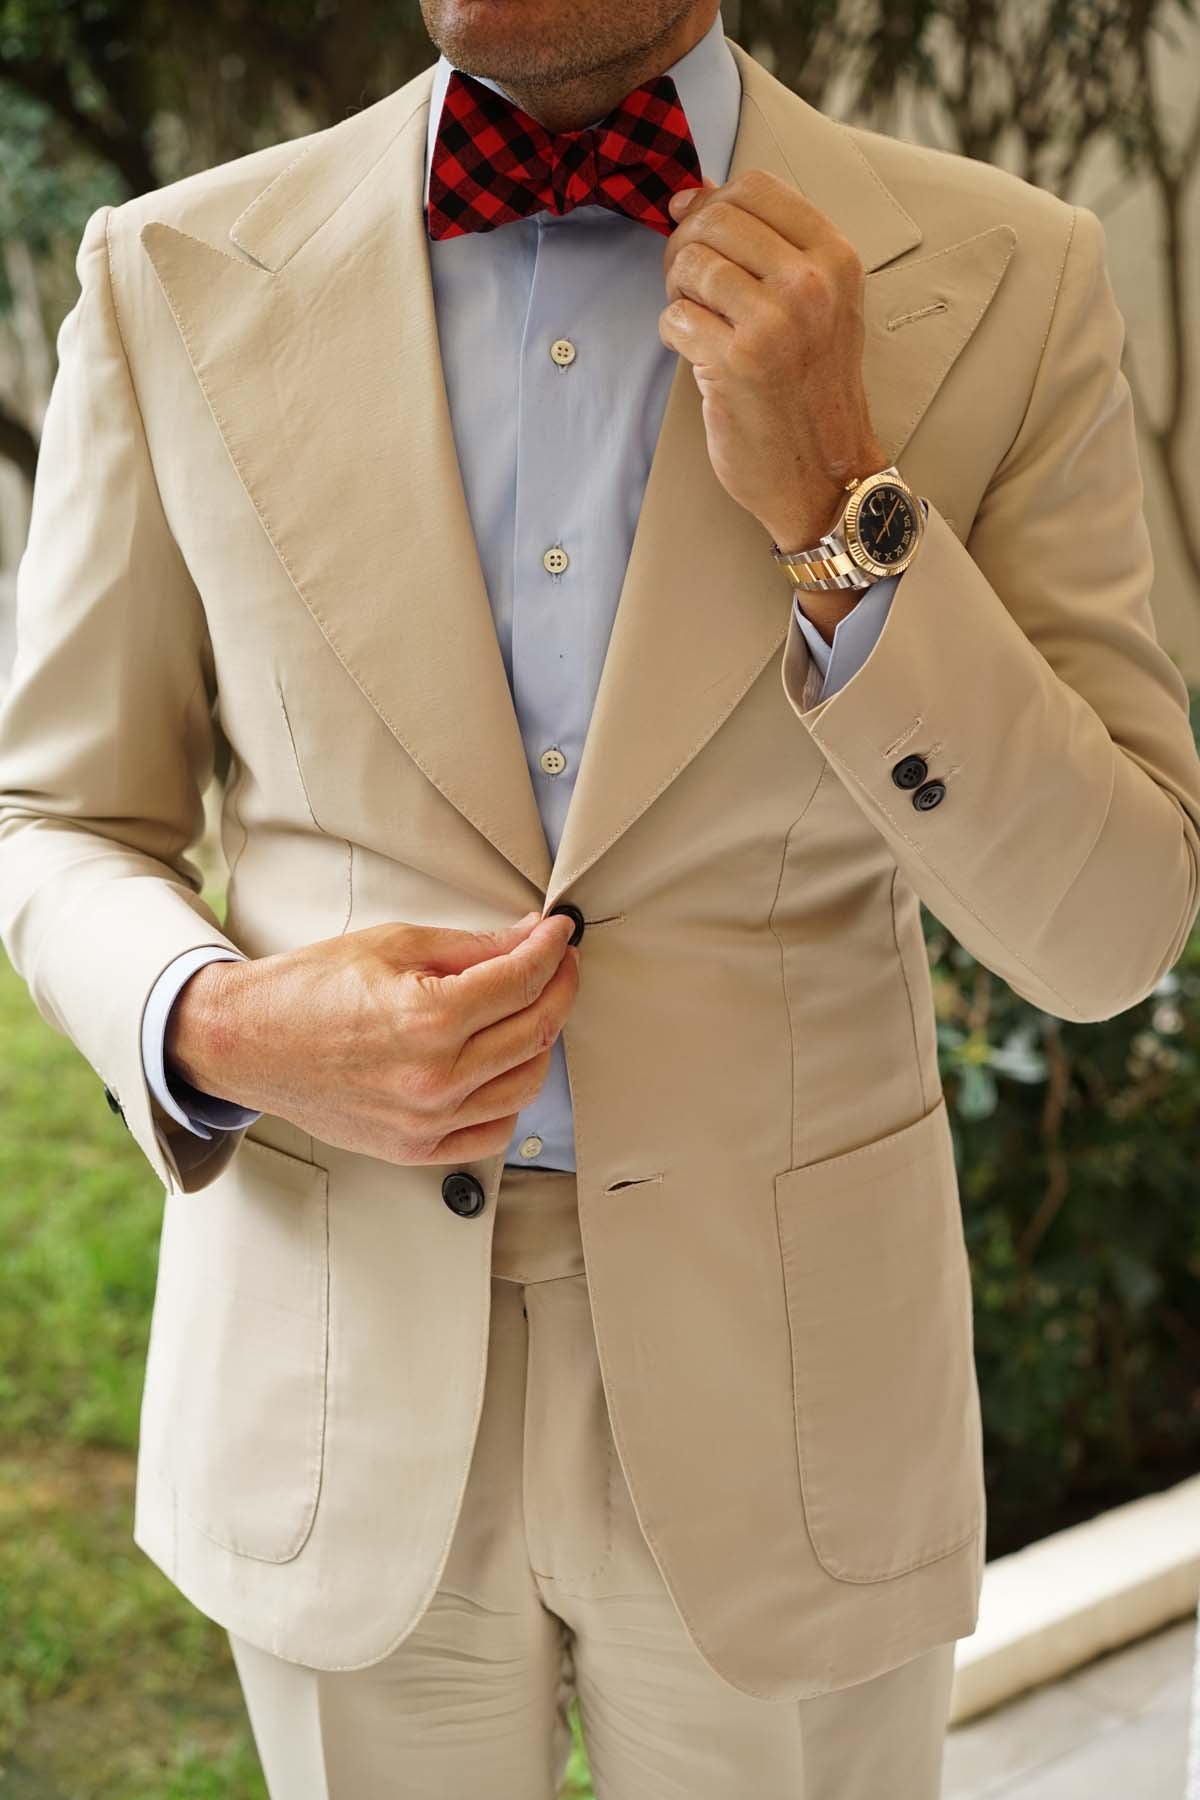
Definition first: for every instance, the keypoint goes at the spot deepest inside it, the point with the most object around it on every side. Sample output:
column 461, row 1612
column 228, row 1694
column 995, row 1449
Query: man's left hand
column 765, row 301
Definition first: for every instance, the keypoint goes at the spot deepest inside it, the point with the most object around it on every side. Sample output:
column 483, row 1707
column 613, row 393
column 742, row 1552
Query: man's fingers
column 715, row 281
column 738, row 235
column 512, row 1040
column 700, row 336
column 449, row 952
column 473, row 1141
column 783, row 207
column 508, row 983
column 511, row 1091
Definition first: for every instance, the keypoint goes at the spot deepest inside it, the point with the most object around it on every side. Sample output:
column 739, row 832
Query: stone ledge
column 1055, row 1605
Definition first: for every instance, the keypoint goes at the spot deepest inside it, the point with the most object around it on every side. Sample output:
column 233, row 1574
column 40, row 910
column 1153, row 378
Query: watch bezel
column 857, row 552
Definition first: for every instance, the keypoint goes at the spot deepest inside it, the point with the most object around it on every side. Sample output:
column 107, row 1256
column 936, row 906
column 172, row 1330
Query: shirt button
column 562, row 351
column 555, row 560
column 552, row 762
column 531, row 1146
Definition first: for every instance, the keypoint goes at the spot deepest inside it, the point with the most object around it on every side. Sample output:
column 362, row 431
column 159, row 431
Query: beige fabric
column 249, row 519
column 550, row 1591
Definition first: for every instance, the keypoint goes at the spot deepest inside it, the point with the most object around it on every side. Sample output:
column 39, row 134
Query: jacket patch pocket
column 878, row 1298
column 238, row 1351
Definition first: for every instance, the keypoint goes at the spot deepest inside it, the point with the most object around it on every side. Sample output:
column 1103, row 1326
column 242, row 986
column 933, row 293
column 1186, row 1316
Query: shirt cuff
column 854, row 637
column 187, row 1105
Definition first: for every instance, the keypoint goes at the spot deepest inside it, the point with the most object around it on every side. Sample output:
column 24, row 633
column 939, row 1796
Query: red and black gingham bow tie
column 493, row 163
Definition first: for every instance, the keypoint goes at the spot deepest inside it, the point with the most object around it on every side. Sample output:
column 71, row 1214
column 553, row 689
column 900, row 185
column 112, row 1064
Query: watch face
column 887, row 524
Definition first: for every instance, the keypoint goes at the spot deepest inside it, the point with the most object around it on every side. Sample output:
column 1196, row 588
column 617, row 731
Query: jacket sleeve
column 1023, row 669
column 106, row 740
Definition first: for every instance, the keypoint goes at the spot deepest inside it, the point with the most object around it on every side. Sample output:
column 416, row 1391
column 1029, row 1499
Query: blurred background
column 1078, row 1145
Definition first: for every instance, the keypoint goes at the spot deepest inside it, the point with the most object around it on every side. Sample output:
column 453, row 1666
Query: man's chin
column 493, row 37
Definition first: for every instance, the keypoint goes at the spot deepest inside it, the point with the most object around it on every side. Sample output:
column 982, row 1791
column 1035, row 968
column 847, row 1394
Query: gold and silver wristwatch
column 878, row 534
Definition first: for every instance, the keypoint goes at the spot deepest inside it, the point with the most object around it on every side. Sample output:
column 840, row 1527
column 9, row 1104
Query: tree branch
column 112, row 140
column 17, row 443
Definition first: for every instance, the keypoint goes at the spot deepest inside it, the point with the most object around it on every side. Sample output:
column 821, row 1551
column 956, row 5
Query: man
column 470, row 1386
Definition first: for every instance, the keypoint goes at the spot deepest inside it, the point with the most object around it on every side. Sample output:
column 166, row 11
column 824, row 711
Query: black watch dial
column 888, row 524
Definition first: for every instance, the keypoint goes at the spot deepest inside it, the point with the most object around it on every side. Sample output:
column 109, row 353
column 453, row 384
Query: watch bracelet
column 826, row 569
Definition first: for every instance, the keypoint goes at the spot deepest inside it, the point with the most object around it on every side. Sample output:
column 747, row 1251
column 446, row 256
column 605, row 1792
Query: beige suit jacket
column 249, row 519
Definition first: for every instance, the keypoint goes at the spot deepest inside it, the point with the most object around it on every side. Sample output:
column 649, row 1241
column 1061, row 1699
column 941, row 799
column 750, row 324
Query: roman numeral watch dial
column 877, row 535
column 883, row 523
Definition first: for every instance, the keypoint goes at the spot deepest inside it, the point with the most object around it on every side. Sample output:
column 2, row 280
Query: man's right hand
column 406, row 1042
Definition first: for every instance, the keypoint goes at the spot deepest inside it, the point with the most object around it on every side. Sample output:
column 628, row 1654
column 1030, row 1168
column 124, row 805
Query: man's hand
column 405, row 1042
column 766, row 304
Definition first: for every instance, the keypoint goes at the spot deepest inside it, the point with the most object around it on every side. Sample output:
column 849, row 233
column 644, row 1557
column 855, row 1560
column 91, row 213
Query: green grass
column 112, row 1686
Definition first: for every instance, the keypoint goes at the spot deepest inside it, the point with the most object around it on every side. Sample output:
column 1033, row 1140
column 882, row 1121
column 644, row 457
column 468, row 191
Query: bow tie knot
column 574, row 169
column 493, row 163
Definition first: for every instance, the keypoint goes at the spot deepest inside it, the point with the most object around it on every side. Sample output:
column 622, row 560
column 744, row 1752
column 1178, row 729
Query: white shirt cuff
column 174, row 1094
column 854, row 637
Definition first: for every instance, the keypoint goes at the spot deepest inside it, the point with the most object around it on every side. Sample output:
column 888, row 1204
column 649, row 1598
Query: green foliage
column 47, row 190
column 78, row 1241
column 156, row 88
column 111, row 1684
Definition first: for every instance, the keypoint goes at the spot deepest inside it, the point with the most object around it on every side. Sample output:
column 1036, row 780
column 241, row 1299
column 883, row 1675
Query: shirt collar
column 710, row 92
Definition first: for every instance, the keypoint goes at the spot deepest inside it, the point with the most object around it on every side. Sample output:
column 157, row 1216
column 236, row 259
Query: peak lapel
column 317, row 350
column 320, row 362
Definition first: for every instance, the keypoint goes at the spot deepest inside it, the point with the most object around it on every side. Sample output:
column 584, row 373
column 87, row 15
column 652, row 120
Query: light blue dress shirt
column 554, row 451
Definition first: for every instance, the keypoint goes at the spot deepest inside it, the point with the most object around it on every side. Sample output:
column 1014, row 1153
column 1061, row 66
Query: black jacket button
column 114, row 1103
column 463, row 1194
column 910, row 771
column 932, row 794
column 572, row 912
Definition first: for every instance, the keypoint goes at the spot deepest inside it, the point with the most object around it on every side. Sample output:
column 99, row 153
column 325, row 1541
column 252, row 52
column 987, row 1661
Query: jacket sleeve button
column 910, row 771
column 932, row 794
column 463, row 1194
column 114, row 1104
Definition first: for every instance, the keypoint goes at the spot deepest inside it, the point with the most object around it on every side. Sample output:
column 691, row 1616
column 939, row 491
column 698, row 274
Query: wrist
column 825, row 501
column 803, row 530
column 826, row 611
column 201, row 1033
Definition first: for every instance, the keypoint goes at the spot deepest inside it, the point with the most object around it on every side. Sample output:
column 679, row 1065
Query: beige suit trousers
column 551, row 1591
